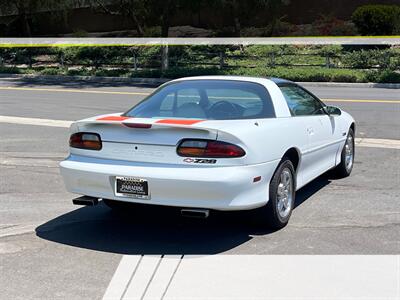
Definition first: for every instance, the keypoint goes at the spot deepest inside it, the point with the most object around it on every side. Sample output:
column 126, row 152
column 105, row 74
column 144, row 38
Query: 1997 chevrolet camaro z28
column 211, row 143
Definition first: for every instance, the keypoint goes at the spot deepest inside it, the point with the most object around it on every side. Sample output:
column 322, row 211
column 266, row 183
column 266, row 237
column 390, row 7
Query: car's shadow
column 157, row 230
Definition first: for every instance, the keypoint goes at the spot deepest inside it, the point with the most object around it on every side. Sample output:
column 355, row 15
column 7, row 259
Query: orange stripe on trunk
column 179, row 122
column 113, row 118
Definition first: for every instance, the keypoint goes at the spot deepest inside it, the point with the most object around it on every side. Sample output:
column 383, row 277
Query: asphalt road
column 49, row 248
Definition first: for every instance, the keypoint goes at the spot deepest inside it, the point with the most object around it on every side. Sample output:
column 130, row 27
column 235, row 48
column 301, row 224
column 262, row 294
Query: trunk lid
column 156, row 144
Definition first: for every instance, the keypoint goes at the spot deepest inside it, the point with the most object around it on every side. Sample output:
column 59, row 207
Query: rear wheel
column 276, row 213
column 347, row 157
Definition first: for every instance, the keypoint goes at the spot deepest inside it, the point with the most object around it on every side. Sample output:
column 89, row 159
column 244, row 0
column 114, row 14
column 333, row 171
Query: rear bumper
column 220, row 188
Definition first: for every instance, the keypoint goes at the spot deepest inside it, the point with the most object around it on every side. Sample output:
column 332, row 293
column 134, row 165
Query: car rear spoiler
column 190, row 124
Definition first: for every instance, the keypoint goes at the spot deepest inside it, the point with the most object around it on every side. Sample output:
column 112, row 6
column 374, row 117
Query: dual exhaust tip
column 185, row 212
column 86, row 200
column 195, row 213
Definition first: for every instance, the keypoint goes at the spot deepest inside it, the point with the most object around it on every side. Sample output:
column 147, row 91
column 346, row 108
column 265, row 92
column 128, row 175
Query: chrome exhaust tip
column 85, row 200
column 195, row 213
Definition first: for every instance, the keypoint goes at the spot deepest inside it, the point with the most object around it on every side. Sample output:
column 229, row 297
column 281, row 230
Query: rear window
column 206, row 99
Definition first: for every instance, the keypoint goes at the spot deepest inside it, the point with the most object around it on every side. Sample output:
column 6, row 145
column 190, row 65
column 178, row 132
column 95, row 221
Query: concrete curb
column 159, row 81
column 352, row 85
column 97, row 79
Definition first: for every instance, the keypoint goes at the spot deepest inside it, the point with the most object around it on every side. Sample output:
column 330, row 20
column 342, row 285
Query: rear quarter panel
column 266, row 140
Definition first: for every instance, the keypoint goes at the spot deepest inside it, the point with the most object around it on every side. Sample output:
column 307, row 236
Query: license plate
column 131, row 187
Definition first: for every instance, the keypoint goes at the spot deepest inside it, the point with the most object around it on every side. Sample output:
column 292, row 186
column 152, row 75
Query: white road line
column 142, row 278
column 34, row 121
column 360, row 142
column 257, row 277
column 378, row 143
column 122, row 277
column 29, row 162
column 163, row 277
column 50, row 160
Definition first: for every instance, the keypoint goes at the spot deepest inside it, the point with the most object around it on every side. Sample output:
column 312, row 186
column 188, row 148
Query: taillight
column 85, row 140
column 208, row 148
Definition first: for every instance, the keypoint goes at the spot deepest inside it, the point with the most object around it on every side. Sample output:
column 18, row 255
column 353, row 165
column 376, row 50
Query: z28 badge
column 199, row 161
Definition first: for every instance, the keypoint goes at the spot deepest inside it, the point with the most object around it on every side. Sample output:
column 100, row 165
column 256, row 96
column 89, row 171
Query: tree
column 139, row 12
column 164, row 11
column 26, row 9
column 135, row 10
column 377, row 19
column 274, row 9
column 242, row 11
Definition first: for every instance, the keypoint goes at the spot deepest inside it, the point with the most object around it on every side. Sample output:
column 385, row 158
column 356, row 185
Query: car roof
column 261, row 80
column 271, row 84
column 278, row 80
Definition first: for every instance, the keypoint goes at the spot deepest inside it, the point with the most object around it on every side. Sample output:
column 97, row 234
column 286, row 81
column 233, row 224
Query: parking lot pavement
column 51, row 249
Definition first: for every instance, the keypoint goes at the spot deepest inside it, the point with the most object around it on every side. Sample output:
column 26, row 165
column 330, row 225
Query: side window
column 300, row 102
column 183, row 96
column 167, row 106
column 179, row 103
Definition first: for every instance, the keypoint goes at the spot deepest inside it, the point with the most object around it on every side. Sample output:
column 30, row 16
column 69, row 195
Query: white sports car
column 211, row 143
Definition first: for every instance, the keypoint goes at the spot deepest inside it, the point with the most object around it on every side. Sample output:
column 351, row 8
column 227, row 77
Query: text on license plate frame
column 126, row 186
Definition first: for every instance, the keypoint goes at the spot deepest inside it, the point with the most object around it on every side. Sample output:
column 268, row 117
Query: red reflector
column 113, row 118
column 178, row 122
column 137, row 125
column 257, row 179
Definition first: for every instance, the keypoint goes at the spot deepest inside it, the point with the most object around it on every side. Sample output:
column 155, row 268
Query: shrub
column 385, row 76
column 9, row 70
column 155, row 73
column 304, row 74
column 51, row 71
column 365, row 59
column 79, row 72
column 111, row 72
column 377, row 19
column 330, row 49
column 329, row 25
column 350, row 77
column 184, row 72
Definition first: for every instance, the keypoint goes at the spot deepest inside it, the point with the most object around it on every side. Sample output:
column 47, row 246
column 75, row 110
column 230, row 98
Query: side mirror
column 333, row 110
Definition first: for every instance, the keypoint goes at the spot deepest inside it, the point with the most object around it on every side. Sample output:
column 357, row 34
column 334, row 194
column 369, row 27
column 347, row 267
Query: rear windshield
column 206, row 99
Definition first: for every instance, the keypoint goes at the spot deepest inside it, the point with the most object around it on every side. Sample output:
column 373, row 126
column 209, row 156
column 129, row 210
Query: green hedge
column 253, row 55
column 317, row 74
column 383, row 76
column 306, row 74
column 253, row 60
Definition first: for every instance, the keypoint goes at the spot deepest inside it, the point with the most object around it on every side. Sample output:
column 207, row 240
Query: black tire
column 342, row 170
column 268, row 215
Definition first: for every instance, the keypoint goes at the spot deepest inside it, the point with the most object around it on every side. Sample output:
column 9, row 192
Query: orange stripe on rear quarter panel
column 112, row 118
column 179, row 122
